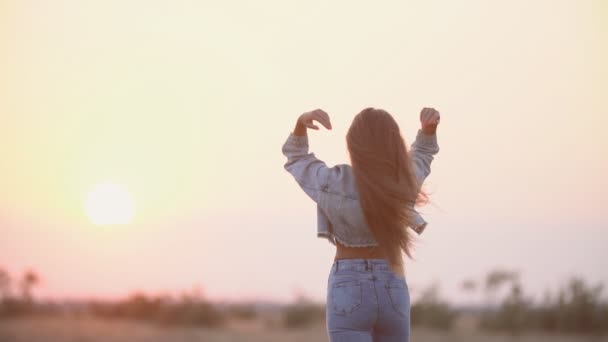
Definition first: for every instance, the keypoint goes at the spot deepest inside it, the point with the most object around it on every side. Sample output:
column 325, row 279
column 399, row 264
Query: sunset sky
column 186, row 104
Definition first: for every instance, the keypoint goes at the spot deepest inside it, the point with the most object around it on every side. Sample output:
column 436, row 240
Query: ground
column 96, row 330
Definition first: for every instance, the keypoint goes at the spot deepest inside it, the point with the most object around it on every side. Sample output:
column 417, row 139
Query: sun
column 110, row 204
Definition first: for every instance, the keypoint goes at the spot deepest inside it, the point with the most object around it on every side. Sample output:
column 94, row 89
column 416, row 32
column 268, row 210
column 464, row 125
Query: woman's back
column 340, row 217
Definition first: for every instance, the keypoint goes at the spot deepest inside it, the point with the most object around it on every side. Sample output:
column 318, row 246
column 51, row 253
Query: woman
column 364, row 210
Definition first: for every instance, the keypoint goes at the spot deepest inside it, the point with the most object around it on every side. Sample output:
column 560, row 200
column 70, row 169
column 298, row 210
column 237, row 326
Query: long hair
column 386, row 181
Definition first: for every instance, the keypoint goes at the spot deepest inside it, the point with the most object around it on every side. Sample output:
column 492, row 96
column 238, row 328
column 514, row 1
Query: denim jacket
column 339, row 214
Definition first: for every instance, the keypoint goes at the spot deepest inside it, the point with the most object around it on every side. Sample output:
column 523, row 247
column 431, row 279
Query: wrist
column 429, row 130
column 300, row 129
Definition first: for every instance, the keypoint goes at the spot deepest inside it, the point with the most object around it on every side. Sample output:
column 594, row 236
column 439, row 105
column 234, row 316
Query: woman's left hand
column 307, row 119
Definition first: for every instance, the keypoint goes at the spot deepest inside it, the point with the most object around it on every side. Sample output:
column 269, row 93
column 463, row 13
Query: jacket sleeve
column 311, row 173
column 422, row 152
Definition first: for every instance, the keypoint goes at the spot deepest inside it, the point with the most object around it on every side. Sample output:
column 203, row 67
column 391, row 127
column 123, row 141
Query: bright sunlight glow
column 109, row 204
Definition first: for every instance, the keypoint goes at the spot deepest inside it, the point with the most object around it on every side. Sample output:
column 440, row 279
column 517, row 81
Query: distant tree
column 5, row 284
column 514, row 314
column 576, row 308
column 581, row 308
column 495, row 280
column 432, row 311
column 28, row 281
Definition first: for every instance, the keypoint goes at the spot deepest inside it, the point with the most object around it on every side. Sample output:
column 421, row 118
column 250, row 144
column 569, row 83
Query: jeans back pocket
column 345, row 296
column 399, row 296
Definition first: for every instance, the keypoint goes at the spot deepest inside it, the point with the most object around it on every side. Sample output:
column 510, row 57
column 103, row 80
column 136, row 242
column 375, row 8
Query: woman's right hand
column 429, row 118
column 307, row 119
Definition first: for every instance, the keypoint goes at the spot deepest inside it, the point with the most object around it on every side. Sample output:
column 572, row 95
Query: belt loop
column 337, row 266
column 366, row 265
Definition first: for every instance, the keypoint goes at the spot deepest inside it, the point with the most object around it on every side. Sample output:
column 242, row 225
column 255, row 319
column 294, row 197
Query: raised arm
column 425, row 146
column 311, row 173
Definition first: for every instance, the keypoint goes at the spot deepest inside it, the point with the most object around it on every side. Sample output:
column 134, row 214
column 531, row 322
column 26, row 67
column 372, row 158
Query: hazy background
column 187, row 104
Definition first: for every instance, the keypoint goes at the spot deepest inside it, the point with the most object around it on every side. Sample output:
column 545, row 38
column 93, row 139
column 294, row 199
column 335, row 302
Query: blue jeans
column 367, row 302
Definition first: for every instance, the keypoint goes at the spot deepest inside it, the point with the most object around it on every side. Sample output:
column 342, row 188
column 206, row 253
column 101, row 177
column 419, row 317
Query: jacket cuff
column 419, row 229
column 426, row 139
column 297, row 140
column 419, row 223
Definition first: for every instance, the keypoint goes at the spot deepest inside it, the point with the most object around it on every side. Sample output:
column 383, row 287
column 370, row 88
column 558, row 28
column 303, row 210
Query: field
column 97, row 330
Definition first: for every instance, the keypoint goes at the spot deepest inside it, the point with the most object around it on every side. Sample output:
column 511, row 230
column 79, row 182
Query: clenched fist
column 429, row 118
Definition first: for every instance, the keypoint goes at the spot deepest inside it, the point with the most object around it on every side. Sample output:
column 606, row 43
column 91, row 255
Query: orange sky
column 188, row 104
